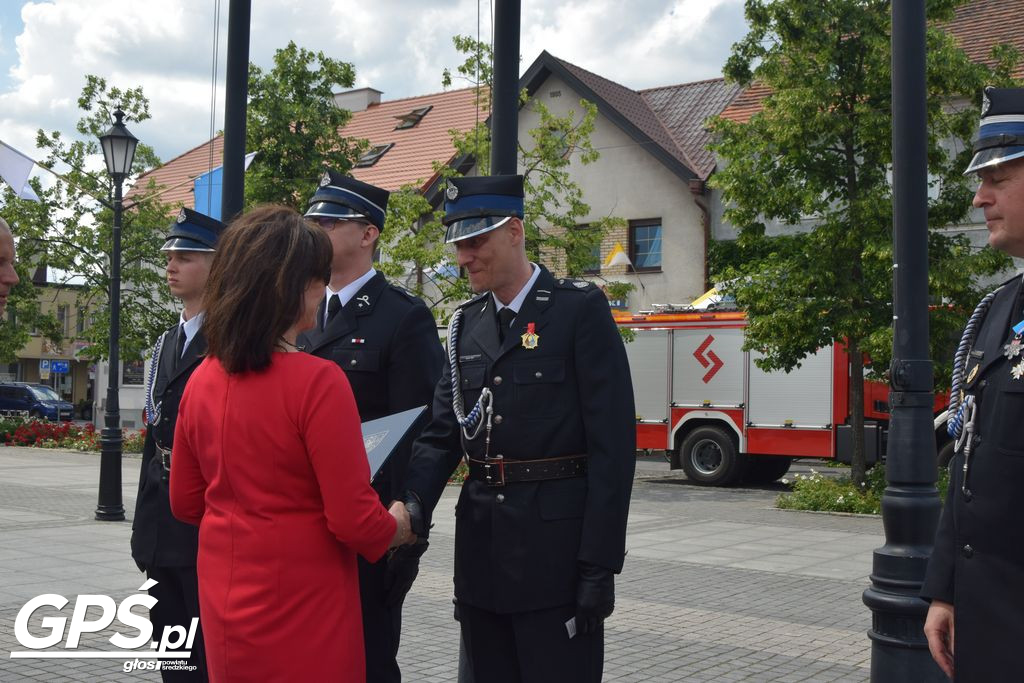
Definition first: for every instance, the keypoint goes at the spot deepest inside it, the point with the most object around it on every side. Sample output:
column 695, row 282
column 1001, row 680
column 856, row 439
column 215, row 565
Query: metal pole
column 505, row 92
column 910, row 505
column 109, row 507
column 233, row 192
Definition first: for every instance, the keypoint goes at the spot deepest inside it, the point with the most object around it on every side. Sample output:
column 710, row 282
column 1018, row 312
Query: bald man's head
column 8, row 276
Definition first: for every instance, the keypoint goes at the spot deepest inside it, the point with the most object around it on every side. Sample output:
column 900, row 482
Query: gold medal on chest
column 531, row 339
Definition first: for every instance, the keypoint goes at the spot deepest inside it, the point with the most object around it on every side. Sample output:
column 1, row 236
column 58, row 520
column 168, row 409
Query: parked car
column 37, row 400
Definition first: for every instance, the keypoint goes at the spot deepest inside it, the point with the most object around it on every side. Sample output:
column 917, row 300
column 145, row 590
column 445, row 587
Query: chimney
column 359, row 99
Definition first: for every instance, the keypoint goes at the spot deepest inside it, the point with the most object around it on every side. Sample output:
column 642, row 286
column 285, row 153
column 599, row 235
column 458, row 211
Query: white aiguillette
column 386, row 435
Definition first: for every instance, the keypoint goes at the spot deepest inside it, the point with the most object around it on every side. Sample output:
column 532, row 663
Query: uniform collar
column 517, row 303
column 348, row 291
column 190, row 327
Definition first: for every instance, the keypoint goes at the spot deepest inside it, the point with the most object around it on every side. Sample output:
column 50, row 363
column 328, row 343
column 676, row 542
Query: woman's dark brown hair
column 265, row 260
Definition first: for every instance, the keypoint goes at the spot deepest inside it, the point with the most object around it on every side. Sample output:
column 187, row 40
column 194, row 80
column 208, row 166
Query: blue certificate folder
column 387, row 435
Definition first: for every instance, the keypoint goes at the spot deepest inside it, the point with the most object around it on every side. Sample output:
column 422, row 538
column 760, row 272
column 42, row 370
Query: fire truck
column 703, row 400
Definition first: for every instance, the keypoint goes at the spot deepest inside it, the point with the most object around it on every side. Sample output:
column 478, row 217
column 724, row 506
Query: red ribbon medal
column 531, row 338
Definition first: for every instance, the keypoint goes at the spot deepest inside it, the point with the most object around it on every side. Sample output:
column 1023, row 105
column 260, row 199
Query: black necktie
column 505, row 318
column 179, row 347
column 333, row 306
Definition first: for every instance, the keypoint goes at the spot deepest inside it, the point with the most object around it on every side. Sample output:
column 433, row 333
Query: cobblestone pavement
column 718, row 586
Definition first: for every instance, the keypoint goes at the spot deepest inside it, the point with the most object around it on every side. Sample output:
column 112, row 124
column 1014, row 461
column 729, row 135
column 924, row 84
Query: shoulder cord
column 471, row 423
column 152, row 410
column 955, row 425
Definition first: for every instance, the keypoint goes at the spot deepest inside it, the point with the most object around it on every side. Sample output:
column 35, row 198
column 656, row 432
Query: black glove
column 417, row 515
column 595, row 597
column 403, row 566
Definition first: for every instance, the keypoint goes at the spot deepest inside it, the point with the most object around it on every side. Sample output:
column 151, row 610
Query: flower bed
column 838, row 494
column 17, row 431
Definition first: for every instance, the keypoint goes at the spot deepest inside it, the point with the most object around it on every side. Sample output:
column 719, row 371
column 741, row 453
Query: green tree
column 71, row 230
column 819, row 155
column 554, row 202
column 293, row 123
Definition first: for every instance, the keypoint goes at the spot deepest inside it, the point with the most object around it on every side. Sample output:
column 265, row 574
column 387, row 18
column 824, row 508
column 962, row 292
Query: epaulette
column 576, row 285
column 477, row 299
column 404, row 292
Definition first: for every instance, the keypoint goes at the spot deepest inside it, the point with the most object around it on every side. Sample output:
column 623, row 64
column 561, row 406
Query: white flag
column 15, row 169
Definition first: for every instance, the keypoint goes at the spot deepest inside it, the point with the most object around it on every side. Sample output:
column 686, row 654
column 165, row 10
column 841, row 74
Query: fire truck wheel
column 709, row 457
column 766, row 469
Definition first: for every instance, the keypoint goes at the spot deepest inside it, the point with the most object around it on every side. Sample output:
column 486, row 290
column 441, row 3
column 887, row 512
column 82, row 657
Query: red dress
column 272, row 469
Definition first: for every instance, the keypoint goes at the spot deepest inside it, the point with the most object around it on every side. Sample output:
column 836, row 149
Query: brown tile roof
column 980, row 24
column 409, row 161
column 668, row 121
column 977, row 27
column 174, row 178
column 684, row 108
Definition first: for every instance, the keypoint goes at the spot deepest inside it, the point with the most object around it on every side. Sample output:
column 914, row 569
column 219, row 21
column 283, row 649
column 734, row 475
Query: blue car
column 36, row 400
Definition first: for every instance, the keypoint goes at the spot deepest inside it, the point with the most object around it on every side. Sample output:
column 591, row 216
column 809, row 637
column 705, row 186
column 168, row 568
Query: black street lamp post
column 910, row 505
column 118, row 153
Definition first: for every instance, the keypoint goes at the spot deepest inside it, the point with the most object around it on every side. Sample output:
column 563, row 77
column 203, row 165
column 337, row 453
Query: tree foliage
column 293, row 123
column 70, row 230
column 819, row 156
column 554, row 205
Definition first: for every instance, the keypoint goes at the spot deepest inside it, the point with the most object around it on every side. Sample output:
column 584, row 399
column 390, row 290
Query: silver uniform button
column 498, row 419
column 500, row 498
column 538, row 374
column 497, row 380
column 352, row 362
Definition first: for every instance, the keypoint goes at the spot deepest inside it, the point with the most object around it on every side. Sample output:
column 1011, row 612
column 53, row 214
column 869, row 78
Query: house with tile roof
column 652, row 172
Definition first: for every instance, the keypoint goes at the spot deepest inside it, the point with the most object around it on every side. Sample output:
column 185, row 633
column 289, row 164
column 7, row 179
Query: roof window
column 373, row 155
column 412, row 118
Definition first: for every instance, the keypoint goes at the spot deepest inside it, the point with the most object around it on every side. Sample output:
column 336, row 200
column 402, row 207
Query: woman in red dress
column 269, row 462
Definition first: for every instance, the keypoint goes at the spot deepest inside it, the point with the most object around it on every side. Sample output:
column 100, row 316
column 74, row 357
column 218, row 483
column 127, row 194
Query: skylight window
column 412, row 118
column 373, row 155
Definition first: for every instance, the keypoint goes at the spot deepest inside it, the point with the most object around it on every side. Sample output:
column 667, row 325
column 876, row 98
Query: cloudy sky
column 397, row 46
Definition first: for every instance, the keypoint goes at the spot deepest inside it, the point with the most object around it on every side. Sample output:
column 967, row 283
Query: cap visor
column 471, row 227
column 332, row 210
column 185, row 244
column 992, row 156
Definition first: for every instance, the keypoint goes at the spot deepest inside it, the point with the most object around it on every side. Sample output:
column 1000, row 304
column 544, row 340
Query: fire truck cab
column 702, row 399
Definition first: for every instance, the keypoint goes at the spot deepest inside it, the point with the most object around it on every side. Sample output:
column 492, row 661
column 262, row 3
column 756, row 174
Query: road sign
column 60, row 367
column 44, row 369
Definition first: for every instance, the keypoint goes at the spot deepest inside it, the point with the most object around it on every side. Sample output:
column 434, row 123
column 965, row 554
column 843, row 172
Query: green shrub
column 838, row 494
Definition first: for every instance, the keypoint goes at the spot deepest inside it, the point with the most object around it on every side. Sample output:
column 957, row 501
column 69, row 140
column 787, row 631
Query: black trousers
column 382, row 621
column 177, row 594
column 530, row 647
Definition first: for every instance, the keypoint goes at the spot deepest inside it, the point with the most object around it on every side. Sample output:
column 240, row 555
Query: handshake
column 409, row 520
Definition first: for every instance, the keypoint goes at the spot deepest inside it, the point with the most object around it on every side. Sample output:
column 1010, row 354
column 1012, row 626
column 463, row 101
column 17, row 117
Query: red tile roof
column 409, row 161
column 977, row 27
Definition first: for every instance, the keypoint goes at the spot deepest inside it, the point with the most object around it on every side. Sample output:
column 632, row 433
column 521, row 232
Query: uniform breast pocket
column 471, row 380
column 1009, row 413
column 357, row 360
column 539, row 384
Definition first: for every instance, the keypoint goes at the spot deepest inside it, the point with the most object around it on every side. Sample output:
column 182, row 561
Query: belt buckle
column 165, row 458
column 497, row 463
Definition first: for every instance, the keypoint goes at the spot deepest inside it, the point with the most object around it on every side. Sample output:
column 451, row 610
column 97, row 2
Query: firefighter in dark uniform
column 975, row 577
column 162, row 546
column 386, row 341
column 536, row 396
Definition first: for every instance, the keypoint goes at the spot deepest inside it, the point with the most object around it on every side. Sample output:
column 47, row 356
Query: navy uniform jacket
column 385, row 339
column 978, row 559
column 158, row 539
column 517, row 546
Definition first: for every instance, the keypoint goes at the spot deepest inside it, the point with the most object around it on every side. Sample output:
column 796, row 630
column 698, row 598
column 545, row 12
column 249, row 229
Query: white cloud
column 397, row 46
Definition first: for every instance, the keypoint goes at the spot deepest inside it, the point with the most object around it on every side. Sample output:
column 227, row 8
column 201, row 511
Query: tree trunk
column 858, row 466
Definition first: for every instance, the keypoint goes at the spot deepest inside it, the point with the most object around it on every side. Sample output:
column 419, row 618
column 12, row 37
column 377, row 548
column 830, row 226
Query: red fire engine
column 702, row 400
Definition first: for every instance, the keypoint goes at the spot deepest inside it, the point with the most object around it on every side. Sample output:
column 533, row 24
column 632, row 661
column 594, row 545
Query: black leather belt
column 499, row 471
